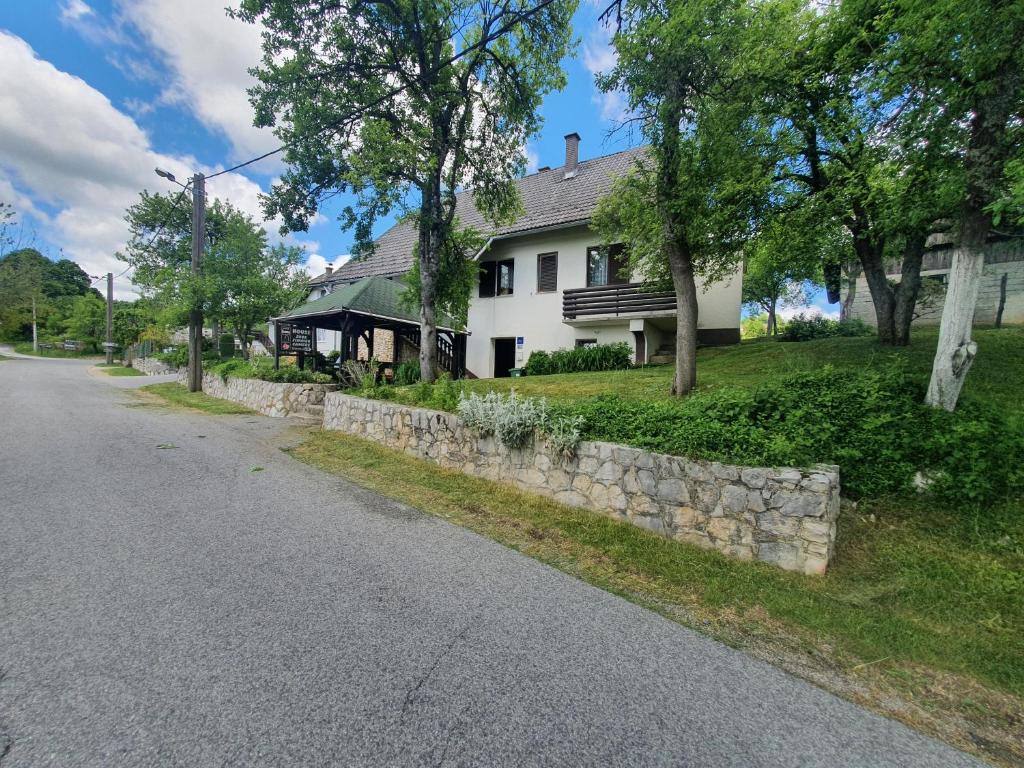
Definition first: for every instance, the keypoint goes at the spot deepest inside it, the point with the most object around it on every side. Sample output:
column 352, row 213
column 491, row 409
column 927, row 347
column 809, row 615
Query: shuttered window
column 547, row 272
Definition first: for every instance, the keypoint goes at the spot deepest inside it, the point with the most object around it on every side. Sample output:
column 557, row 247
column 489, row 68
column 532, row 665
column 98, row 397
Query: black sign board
column 292, row 339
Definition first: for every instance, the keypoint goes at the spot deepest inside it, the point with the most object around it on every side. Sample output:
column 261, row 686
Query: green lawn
column 25, row 348
column 118, row 370
column 996, row 376
column 178, row 395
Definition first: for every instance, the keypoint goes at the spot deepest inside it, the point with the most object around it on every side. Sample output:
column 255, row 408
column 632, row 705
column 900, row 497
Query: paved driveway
column 175, row 590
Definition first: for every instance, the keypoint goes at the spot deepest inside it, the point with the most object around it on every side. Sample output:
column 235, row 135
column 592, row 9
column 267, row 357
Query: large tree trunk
column 773, row 323
column 869, row 252
column 905, row 294
column 685, row 286
column 429, row 263
column 983, row 163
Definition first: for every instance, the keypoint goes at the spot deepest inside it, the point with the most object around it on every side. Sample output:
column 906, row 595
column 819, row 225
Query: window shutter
column 547, row 272
column 488, row 278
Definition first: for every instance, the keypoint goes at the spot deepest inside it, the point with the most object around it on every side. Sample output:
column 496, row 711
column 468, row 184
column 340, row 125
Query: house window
column 586, row 343
column 497, row 278
column 323, row 292
column 606, row 265
column 547, row 272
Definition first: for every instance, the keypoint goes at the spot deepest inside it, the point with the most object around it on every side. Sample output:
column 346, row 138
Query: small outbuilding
column 358, row 310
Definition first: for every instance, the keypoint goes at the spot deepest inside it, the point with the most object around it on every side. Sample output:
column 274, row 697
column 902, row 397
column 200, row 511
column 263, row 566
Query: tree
column 969, row 59
column 250, row 281
column 27, row 275
column 243, row 281
column 852, row 149
column 87, row 322
column 688, row 206
column 372, row 99
column 783, row 258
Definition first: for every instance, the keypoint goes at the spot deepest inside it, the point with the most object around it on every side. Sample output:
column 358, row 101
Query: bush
column 806, row 327
column 598, row 357
column 511, row 419
column 874, row 425
column 226, row 345
column 407, row 373
column 176, row 358
column 263, row 369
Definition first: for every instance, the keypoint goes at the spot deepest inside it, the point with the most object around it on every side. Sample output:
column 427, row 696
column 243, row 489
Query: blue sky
column 95, row 93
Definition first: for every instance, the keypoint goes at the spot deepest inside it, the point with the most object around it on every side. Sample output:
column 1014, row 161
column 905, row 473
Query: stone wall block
column 783, row 516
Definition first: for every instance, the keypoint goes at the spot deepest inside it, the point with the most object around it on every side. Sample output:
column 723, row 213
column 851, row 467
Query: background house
column 1002, row 283
column 545, row 281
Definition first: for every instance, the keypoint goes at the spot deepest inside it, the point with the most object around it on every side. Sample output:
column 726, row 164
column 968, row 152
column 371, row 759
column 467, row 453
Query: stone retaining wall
column 786, row 517
column 151, row 366
column 268, row 397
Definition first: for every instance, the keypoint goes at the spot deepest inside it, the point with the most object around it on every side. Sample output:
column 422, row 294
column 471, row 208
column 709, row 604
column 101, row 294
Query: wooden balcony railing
column 622, row 299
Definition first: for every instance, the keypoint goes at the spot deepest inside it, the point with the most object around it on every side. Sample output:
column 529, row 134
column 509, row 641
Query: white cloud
column 788, row 313
column 208, row 55
column 66, row 147
column 532, row 159
column 599, row 57
column 73, row 10
column 316, row 264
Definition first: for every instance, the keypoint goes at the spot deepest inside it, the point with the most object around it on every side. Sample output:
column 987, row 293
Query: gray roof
column 549, row 200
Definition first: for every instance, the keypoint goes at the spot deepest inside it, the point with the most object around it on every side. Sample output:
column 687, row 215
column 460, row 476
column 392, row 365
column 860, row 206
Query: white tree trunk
column 956, row 351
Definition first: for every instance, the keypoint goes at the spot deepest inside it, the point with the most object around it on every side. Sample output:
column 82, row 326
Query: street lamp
column 169, row 176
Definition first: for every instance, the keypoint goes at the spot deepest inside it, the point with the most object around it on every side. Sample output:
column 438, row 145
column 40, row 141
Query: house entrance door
column 504, row 357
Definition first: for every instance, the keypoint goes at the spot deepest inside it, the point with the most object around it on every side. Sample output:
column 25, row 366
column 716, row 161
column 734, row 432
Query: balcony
column 624, row 300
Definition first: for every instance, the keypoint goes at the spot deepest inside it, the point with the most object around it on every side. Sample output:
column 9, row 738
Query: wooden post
column 195, row 315
column 110, row 318
column 277, row 346
column 1002, row 299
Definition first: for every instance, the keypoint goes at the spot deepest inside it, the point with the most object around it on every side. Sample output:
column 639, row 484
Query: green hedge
column 807, row 327
column 875, row 426
column 598, row 357
column 263, row 369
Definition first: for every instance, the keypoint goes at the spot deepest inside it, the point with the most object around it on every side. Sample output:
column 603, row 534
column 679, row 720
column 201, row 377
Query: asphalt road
column 161, row 603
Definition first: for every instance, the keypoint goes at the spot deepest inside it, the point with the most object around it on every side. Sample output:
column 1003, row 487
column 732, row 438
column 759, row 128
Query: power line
column 395, row 91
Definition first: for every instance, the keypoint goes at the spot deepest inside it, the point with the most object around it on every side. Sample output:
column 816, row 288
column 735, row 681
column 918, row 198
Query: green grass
column 118, row 370
column 25, row 348
column 995, row 377
column 178, row 395
column 914, row 596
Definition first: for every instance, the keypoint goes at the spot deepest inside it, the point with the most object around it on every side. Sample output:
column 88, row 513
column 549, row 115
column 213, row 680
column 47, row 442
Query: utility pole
column 110, row 318
column 35, row 334
column 195, row 315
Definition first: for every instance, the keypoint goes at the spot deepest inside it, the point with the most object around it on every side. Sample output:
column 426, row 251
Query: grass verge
column 25, row 348
column 916, row 619
column 178, row 395
column 118, row 370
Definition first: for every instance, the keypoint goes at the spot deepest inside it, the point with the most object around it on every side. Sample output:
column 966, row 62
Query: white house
column 545, row 281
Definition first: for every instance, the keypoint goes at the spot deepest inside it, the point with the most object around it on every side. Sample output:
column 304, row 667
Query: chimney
column 544, row 168
column 572, row 155
column 328, row 269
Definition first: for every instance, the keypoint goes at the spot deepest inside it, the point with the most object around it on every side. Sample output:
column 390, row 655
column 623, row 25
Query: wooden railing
column 622, row 299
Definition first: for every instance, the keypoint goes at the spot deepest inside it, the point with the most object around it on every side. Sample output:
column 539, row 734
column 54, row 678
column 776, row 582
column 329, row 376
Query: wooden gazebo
column 357, row 310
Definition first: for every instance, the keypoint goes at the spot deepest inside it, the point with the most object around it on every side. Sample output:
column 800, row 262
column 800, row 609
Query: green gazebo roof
column 374, row 296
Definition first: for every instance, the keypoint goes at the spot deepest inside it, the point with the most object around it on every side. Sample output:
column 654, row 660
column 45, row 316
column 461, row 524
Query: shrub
column 176, row 358
column 234, row 368
column 539, row 363
column 598, row 357
column 407, row 373
column 807, row 327
column 511, row 419
column 874, row 425
column 358, row 374
column 226, row 345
